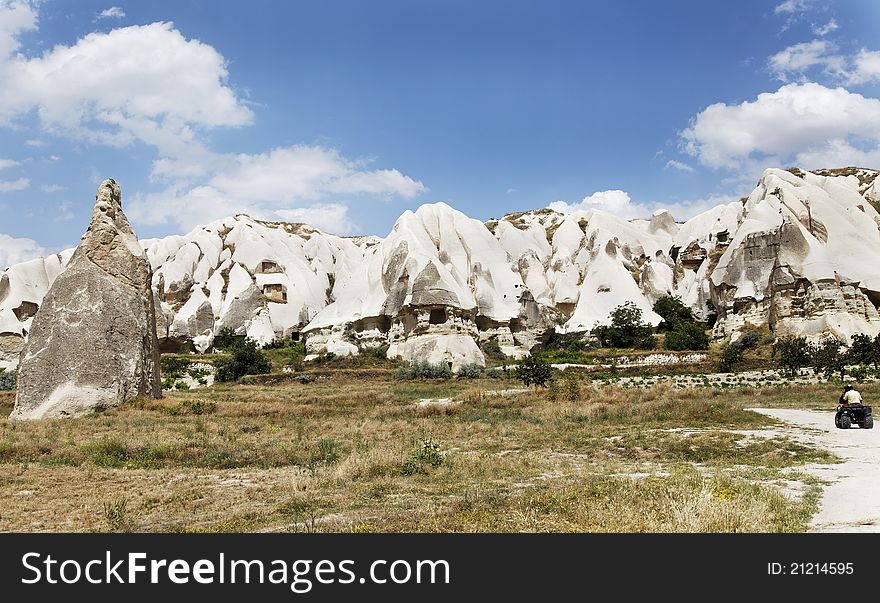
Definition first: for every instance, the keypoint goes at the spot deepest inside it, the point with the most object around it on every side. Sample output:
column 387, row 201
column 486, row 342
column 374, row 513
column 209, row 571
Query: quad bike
column 849, row 414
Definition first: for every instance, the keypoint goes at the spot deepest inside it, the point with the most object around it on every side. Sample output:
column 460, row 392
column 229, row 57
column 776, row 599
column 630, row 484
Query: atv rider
column 850, row 396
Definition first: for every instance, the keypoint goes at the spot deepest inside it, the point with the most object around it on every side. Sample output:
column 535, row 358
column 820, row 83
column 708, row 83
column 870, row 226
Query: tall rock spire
column 92, row 344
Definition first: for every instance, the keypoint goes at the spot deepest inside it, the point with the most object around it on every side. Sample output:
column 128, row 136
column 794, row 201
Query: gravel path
column 851, row 502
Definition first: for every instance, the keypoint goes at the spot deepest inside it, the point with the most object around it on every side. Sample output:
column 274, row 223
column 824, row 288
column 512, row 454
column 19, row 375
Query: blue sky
column 343, row 114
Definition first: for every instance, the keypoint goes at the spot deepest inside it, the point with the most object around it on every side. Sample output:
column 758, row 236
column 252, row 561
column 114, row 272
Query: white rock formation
column 799, row 255
column 92, row 344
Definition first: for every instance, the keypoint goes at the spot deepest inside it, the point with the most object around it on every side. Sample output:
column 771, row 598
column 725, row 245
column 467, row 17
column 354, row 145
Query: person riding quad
column 850, row 410
column 850, row 396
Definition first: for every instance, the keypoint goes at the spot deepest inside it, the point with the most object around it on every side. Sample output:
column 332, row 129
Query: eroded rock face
column 93, row 345
column 804, row 260
column 799, row 255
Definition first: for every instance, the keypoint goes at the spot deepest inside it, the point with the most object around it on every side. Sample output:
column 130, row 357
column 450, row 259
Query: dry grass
column 329, row 455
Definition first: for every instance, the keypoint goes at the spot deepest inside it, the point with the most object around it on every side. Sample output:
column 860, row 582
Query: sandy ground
column 851, row 500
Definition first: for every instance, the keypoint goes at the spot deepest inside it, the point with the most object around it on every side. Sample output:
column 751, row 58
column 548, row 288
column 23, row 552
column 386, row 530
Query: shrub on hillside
column 687, row 335
column 673, row 311
column 425, row 456
column 423, row 369
column 533, row 370
column 627, row 330
column 226, row 339
column 246, row 359
column 8, row 379
column 470, row 371
column 731, row 357
column 173, row 366
column 749, row 339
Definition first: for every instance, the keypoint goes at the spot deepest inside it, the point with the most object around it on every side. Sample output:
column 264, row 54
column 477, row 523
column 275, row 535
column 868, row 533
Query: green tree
column 246, row 359
column 863, row 350
column 687, row 335
column 826, row 358
column 673, row 311
column 731, row 357
column 791, row 353
column 627, row 330
column 533, row 370
column 226, row 339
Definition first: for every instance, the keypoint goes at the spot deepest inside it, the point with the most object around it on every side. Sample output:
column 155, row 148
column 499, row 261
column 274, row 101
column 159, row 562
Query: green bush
column 492, row 349
column 470, row 371
column 281, row 343
column 731, row 357
column 533, row 370
column 226, row 339
column 859, row 373
column 792, row 353
column 826, row 358
column 8, row 379
column 863, row 350
column 687, row 335
column 626, row 329
column 427, row 454
column 174, row 366
column 423, row 370
column 749, row 339
column 376, row 351
column 246, row 359
column 673, row 311
column 570, row 348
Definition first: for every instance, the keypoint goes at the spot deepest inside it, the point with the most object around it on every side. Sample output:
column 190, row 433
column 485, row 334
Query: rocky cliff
column 800, row 255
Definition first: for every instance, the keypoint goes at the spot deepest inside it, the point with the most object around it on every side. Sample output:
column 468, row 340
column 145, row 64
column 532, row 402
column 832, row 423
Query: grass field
column 347, row 452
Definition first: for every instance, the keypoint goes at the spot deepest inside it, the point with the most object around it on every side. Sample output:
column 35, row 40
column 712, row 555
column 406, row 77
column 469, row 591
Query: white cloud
column 866, row 67
column 16, row 17
column 330, row 217
column 793, row 6
column 837, row 153
column 5, row 164
column 34, row 142
column 114, row 12
column 287, row 181
column 619, row 203
column 7, row 186
column 679, row 165
column 64, row 212
column 776, row 126
column 51, row 188
column 824, row 30
column 615, row 202
column 13, row 250
column 145, row 83
column 792, row 62
column 306, row 173
column 150, row 84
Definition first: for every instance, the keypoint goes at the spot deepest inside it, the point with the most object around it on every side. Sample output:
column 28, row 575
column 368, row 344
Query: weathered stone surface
column 93, row 344
column 799, row 255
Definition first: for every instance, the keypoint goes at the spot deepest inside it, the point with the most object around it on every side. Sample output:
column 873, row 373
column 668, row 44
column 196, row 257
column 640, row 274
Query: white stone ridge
column 800, row 255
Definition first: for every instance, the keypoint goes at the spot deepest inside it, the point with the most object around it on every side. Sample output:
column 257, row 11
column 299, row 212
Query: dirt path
column 851, row 502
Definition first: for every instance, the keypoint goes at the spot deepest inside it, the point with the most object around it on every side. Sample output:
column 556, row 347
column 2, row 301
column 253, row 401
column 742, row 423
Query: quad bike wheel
column 845, row 422
column 837, row 420
column 868, row 423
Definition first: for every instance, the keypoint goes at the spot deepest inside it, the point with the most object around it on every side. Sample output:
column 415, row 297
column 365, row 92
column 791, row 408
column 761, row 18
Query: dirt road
column 851, row 502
